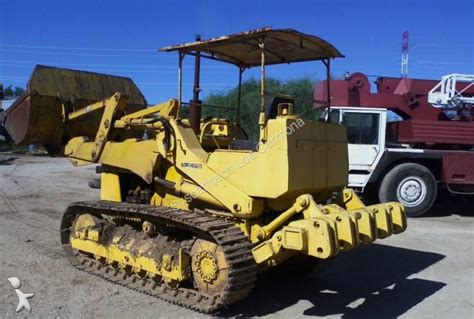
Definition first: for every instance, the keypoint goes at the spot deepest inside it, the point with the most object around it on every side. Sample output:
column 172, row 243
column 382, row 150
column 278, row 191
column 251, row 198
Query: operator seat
column 271, row 110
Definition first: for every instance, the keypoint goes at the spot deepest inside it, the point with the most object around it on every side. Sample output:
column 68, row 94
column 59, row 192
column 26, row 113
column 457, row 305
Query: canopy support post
column 327, row 63
column 195, row 107
column 239, row 94
column 181, row 56
column 261, row 118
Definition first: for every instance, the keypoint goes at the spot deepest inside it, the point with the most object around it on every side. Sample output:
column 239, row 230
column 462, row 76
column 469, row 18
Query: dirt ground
column 425, row 272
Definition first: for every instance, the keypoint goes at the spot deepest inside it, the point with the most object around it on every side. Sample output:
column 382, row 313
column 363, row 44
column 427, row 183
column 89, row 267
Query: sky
column 122, row 38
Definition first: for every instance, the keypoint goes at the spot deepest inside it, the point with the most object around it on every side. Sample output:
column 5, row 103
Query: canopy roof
column 243, row 49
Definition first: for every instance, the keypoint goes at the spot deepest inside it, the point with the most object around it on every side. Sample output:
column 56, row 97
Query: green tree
column 8, row 91
column 301, row 90
column 17, row 91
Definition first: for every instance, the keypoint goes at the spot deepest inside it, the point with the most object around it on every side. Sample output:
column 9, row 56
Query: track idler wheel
column 209, row 266
column 85, row 221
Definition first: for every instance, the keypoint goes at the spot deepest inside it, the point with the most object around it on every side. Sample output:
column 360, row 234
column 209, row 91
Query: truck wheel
column 411, row 184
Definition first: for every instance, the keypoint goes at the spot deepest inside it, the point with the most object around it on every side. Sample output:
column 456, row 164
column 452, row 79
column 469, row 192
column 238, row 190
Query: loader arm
column 89, row 152
column 188, row 153
column 123, row 154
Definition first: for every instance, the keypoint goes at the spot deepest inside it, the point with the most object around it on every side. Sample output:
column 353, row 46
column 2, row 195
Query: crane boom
column 452, row 91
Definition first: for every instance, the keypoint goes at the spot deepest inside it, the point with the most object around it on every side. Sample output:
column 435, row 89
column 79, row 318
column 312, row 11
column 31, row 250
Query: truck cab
column 366, row 140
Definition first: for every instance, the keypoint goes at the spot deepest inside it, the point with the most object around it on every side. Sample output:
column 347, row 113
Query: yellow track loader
column 190, row 209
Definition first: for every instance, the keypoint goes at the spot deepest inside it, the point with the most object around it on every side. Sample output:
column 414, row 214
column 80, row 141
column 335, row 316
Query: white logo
column 23, row 298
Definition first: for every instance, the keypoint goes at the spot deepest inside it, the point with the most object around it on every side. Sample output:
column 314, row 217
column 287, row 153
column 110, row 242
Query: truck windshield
column 362, row 128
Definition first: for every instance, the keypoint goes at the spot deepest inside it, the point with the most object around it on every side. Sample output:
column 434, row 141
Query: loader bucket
column 35, row 119
column 40, row 115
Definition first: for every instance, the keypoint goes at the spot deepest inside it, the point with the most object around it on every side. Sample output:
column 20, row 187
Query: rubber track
column 236, row 247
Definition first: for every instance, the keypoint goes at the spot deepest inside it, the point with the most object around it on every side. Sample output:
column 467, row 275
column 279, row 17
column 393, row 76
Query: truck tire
column 411, row 184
